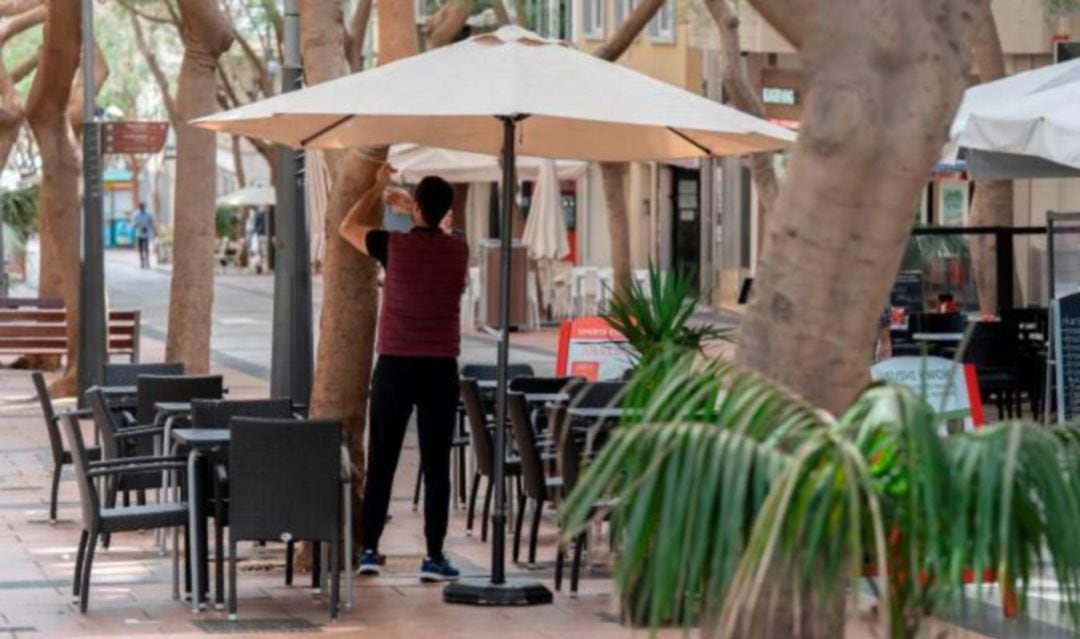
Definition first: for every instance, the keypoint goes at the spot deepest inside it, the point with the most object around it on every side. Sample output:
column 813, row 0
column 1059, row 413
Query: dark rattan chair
column 61, row 457
column 98, row 521
column 128, row 374
column 285, row 485
column 218, row 413
column 535, row 485
column 484, row 453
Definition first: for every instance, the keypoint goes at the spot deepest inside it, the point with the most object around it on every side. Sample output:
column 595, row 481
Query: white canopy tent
column 1023, row 126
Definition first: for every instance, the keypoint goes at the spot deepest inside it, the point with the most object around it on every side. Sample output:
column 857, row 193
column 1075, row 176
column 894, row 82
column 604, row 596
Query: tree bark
column 992, row 204
column 356, row 33
column 502, row 18
column 884, row 80
column 613, row 174
column 58, row 200
column 447, row 23
column 206, row 34
column 745, row 97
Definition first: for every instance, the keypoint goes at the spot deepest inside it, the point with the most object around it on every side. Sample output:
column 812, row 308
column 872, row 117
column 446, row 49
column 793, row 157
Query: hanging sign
column 134, row 137
column 1066, row 314
column 951, row 389
column 589, row 347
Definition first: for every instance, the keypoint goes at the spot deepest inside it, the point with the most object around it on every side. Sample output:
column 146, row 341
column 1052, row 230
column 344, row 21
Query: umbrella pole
column 498, row 591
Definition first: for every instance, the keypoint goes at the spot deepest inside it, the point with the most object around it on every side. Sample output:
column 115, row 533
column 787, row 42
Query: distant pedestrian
column 143, row 222
column 418, row 344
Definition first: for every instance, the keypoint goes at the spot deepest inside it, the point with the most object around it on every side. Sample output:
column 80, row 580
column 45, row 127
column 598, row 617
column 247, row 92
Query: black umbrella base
column 481, row 592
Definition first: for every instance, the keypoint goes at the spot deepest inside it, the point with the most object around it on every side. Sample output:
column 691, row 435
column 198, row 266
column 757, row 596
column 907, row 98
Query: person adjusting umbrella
column 419, row 340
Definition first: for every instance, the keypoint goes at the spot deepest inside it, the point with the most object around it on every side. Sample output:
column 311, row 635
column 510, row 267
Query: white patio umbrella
column 509, row 91
column 545, row 229
column 1024, row 125
column 258, row 195
column 413, row 162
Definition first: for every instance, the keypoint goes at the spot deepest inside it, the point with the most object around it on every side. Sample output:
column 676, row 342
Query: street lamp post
column 291, row 350
column 92, row 345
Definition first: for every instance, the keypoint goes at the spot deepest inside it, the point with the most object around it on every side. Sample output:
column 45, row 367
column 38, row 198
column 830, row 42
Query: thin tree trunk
column 447, row 23
column 746, row 98
column 613, row 174
column 502, row 18
column 992, row 204
column 206, row 35
column 58, row 200
column 356, row 33
column 884, row 80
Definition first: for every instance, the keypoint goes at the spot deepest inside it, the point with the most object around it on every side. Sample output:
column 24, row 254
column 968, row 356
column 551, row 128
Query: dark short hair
column 434, row 196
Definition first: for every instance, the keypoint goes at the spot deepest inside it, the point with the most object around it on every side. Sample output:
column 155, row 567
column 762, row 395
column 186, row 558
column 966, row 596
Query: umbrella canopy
column 545, row 230
column 573, row 105
column 414, row 162
column 250, row 196
column 1025, row 125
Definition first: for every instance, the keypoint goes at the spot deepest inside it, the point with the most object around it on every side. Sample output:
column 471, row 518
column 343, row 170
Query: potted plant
column 727, row 487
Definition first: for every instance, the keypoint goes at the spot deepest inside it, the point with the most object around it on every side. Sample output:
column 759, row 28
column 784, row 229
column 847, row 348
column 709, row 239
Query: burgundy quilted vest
column 421, row 306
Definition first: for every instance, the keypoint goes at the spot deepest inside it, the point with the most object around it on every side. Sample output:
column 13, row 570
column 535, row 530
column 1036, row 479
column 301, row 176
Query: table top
column 595, row 412
column 172, row 408
column 202, row 437
column 545, row 398
column 938, row 337
column 119, row 390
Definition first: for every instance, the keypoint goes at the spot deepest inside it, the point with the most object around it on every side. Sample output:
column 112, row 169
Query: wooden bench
column 30, row 326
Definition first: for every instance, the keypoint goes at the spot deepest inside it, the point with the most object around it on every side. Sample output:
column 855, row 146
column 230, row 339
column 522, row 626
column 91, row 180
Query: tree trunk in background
column 347, row 325
column 58, row 199
column 446, row 24
column 992, row 204
column 355, row 34
column 206, row 34
column 613, row 174
column 884, row 82
column 745, row 97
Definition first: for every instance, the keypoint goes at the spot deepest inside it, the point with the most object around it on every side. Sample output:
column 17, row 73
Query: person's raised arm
column 351, row 229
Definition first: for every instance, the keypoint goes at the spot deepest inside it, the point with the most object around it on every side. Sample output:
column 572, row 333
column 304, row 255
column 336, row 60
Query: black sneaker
column 438, row 569
column 370, row 563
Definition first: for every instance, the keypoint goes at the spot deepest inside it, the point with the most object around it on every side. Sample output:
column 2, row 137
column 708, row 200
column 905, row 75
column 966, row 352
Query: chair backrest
column 532, row 467
column 47, row 410
column 993, row 346
column 543, row 384
column 489, row 371
column 478, row 432
column 938, row 322
column 105, row 422
column 217, row 413
column 88, row 496
column 284, row 478
column 173, row 388
column 128, row 374
column 598, row 394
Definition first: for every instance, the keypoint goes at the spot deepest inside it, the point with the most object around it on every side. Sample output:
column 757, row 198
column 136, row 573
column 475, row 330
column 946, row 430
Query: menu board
column 589, row 347
column 951, row 389
column 1066, row 312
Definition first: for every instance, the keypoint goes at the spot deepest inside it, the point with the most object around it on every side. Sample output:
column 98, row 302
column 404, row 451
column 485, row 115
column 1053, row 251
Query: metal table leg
column 193, row 530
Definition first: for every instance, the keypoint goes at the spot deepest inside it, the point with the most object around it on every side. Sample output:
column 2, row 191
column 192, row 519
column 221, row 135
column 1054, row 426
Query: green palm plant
column 658, row 318
column 722, row 480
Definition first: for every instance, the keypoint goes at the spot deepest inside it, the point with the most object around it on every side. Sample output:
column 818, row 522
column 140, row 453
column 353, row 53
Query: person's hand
column 399, row 200
column 383, row 174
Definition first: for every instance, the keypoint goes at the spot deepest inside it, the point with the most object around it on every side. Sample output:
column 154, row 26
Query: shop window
column 662, row 25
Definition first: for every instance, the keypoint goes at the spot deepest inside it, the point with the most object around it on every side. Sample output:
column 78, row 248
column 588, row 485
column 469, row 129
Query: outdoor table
column 198, row 441
column 120, row 397
column 547, row 398
column 595, row 413
column 202, row 440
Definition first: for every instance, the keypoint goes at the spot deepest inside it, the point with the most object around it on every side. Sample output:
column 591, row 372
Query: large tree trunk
column 992, row 204
column 347, row 325
column 58, row 200
column 746, row 97
column 613, row 174
column 884, row 81
column 206, row 35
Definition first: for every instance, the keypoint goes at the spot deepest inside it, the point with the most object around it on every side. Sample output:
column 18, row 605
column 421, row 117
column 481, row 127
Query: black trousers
column 398, row 385
column 144, row 251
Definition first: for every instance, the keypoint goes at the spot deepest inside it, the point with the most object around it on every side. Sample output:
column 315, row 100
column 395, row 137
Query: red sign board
column 134, row 137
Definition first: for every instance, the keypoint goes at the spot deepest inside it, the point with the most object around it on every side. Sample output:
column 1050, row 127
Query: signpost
column 1066, row 329
column 134, row 137
column 590, row 348
column 951, row 389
